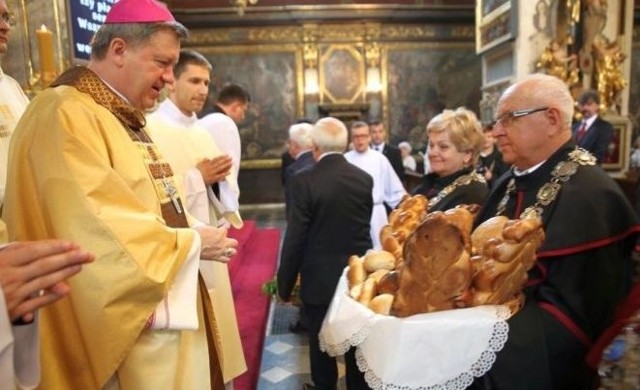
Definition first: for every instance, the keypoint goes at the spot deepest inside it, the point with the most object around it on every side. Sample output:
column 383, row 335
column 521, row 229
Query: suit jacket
column 304, row 161
column 329, row 221
column 395, row 158
column 597, row 138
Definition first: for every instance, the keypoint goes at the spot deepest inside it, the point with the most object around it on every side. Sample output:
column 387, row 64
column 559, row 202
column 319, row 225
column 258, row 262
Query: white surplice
column 201, row 201
column 183, row 143
column 226, row 135
column 387, row 187
column 13, row 102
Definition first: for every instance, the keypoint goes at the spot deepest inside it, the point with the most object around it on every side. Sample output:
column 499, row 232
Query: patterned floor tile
column 275, row 375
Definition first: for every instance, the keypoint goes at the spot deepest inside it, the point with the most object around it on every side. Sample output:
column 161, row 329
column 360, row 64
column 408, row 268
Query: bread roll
column 388, row 284
column 379, row 274
column 368, row 292
column 356, row 273
column 355, row 291
column 381, row 304
column 375, row 260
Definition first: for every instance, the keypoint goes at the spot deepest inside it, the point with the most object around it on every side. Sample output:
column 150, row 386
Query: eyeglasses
column 9, row 19
column 508, row 117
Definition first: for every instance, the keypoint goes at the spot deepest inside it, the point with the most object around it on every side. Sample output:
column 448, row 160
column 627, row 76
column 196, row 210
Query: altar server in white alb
column 13, row 101
column 387, row 187
column 191, row 151
column 222, row 123
column 197, row 163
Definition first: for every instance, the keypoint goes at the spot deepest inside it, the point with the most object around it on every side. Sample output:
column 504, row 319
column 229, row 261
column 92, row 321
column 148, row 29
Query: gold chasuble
column 82, row 168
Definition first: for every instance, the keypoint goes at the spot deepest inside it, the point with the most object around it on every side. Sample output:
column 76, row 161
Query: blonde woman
column 455, row 140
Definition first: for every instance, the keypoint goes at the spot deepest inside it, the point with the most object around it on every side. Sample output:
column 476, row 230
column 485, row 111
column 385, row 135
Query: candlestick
column 45, row 50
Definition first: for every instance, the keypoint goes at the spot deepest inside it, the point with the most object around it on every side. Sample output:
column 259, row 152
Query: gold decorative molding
column 245, row 35
column 203, row 37
column 282, row 34
column 400, row 32
column 261, row 164
column 372, row 54
column 334, row 33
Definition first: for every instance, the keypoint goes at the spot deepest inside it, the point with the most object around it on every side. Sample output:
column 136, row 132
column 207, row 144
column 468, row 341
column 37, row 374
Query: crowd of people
column 529, row 162
column 117, row 209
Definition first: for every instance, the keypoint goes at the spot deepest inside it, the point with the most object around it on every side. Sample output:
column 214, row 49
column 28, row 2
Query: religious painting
column 342, row 74
column 271, row 75
column 422, row 80
column 496, row 26
column 618, row 150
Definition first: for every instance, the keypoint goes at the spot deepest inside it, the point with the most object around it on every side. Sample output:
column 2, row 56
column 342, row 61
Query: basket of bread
column 429, row 310
column 436, row 261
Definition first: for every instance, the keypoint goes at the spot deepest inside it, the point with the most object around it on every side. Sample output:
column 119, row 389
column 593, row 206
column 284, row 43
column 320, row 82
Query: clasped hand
column 215, row 169
column 33, row 274
column 215, row 245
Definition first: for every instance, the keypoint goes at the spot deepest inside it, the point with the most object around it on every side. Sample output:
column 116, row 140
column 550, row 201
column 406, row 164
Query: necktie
column 581, row 131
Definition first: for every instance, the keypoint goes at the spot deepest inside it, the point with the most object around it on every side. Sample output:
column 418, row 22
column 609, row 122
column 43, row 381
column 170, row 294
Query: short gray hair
column 300, row 133
column 330, row 135
column 546, row 90
column 133, row 33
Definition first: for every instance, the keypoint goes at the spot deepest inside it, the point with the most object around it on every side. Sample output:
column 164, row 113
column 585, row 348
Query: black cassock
column 582, row 272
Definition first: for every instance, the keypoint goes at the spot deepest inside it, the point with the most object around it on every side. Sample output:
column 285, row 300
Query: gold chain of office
column 461, row 181
column 562, row 173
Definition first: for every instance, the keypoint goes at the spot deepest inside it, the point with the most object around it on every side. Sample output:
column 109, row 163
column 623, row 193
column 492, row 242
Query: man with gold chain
column 583, row 269
column 197, row 163
column 83, row 168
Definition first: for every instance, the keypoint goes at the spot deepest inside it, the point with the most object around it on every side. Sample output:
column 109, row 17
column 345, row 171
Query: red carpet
column 254, row 264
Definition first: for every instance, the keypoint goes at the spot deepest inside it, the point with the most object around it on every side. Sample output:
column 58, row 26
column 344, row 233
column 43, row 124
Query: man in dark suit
column 329, row 221
column 592, row 133
column 378, row 135
column 300, row 149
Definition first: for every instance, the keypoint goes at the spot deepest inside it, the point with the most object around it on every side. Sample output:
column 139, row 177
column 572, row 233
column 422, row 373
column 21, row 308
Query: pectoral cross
column 172, row 192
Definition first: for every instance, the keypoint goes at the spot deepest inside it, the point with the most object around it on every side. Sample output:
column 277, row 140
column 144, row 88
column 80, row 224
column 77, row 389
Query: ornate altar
column 580, row 53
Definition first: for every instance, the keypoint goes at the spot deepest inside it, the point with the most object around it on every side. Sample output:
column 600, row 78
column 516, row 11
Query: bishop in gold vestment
column 81, row 167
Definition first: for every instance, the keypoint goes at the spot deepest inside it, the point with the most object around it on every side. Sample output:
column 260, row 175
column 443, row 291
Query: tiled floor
column 285, row 358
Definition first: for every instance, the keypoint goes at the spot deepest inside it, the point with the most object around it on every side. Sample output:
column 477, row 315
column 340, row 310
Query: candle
column 45, row 49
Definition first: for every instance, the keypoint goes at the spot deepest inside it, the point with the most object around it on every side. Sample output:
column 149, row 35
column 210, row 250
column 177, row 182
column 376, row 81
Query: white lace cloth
column 441, row 350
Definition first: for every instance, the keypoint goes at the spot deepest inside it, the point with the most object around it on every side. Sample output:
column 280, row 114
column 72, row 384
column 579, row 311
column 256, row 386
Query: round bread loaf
column 381, row 304
column 376, row 260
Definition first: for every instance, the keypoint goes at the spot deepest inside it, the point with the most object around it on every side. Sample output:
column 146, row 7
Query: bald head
column 545, row 91
column 533, row 120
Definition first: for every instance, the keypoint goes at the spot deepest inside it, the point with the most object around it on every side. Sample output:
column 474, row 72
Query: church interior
column 398, row 61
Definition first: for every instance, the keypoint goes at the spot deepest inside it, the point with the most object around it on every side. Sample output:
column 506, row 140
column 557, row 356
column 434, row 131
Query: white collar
column 169, row 108
column 589, row 121
column 323, row 155
column 518, row 172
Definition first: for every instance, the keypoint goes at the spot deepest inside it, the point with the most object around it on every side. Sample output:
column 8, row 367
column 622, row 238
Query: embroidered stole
column 86, row 81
